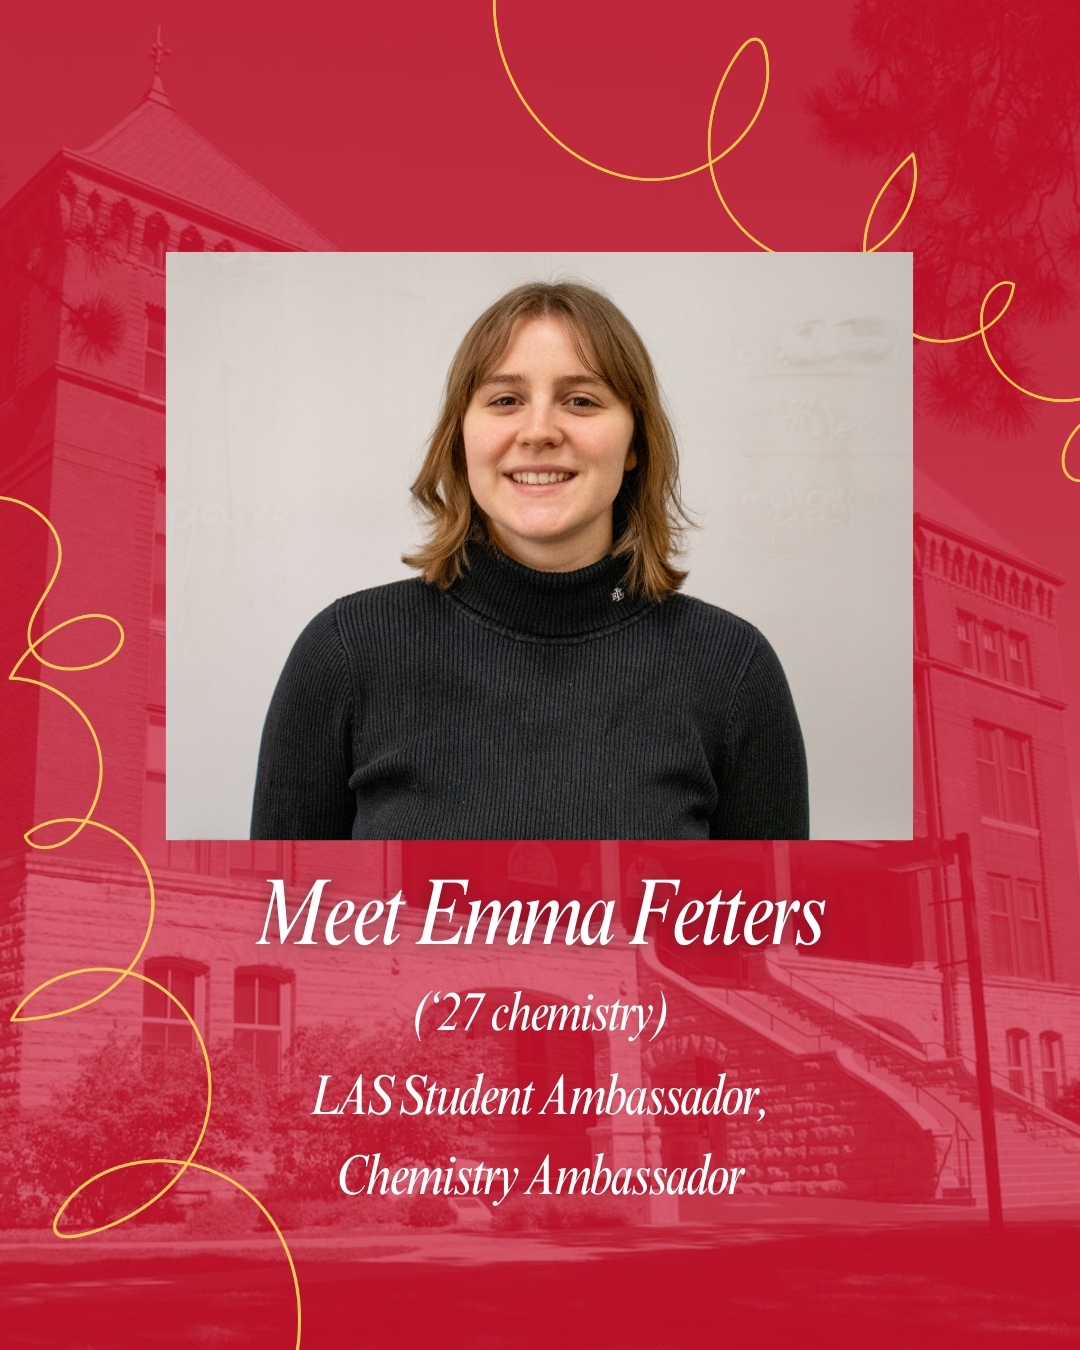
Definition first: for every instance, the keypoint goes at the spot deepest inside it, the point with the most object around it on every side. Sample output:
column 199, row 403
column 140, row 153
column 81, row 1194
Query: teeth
column 540, row 478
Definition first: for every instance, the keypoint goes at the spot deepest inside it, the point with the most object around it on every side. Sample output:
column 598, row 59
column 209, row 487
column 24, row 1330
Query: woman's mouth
column 540, row 477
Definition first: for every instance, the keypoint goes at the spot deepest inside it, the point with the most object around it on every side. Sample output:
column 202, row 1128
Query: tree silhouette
column 987, row 94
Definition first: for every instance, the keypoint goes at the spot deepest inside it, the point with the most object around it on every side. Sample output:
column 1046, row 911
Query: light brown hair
column 648, row 513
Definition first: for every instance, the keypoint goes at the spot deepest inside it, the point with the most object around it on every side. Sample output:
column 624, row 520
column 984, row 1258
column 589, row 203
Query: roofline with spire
column 88, row 168
column 156, row 55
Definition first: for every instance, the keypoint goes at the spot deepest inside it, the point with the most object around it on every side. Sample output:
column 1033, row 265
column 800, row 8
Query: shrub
column 430, row 1211
column 124, row 1106
column 522, row 1213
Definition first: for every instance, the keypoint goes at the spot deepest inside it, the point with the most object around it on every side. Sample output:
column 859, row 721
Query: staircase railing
column 783, row 974
column 960, row 1136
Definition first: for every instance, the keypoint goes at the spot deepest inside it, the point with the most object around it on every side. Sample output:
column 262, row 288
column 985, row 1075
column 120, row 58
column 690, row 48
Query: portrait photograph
column 538, row 546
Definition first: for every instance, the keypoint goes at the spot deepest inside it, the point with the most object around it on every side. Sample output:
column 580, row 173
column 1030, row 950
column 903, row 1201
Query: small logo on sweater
column 617, row 594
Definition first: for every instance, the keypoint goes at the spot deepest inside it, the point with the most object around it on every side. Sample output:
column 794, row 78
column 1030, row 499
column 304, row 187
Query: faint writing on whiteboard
column 861, row 342
column 812, row 416
column 816, row 347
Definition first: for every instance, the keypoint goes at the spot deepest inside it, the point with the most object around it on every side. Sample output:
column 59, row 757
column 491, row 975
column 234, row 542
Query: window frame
column 257, row 1036
column 977, row 637
column 1018, row 1062
column 163, row 970
column 1052, row 1077
column 1000, row 780
column 1018, row 940
column 154, row 356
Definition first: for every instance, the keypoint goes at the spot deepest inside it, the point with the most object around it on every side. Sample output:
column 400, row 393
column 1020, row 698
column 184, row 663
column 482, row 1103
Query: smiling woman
column 542, row 679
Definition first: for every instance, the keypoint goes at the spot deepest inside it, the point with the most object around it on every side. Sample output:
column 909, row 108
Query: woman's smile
column 540, row 477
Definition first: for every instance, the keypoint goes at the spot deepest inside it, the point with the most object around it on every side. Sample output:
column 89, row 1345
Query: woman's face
column 546, row 446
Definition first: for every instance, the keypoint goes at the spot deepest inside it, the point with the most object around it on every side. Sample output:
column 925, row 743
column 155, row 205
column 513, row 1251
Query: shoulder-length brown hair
column 648, row 513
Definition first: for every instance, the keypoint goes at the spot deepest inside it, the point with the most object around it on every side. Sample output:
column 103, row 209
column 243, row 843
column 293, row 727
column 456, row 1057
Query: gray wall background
column 302, row 389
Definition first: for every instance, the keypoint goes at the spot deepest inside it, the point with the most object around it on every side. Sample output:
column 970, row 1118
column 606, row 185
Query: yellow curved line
column 983, row 327
column 614, row 173
column 32, row 644
column 1042, row 398
column 121, row 974
column 711, row 161
column 965, row 337
column 114, row 1223
column 17, row 501
column 1064, row 451
column 129, row 969
column 210, row 1171
column 903, row 214
column 78, row 618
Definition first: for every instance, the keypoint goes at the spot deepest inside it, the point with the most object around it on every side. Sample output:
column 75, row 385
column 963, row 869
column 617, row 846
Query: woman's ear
column 631, row 460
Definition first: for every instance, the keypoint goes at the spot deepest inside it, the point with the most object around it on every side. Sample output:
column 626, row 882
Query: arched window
column 1052, row 1065
column 93, row 213
column 155, row 240
column 191, row 241
column 261, row 1016
column 1018, row 1058
column 223, row 246
column 121, row 224
column 165, row 1029
column 67, row 204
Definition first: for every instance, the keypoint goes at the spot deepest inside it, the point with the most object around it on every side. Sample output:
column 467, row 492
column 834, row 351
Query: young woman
column 541, row 678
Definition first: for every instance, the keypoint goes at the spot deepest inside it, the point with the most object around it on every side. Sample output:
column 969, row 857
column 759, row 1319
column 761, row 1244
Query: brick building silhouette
column 863, row 1048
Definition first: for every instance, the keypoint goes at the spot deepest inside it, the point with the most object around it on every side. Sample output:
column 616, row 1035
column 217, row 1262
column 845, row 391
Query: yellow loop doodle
column 614, row 173
column 975, row 332
column 210, row 1171
column 81, row 823
column 873, row 248
column 1042, row 398
column 712, row 160
column 32, row 645
column 183, row 1166
column 121, row 975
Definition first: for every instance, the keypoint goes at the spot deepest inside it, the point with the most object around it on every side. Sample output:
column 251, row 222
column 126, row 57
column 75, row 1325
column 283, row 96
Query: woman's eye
column 504, row 401
column 582, row 401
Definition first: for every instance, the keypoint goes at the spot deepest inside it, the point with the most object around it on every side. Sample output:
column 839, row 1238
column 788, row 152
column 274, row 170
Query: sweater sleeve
column 305, row 759
column 762, row 773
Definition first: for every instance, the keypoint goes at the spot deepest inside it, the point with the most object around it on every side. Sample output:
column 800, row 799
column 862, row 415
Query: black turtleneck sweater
column 529, row 705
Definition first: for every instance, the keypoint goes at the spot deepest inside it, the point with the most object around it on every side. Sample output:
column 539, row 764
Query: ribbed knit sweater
column 529, row 705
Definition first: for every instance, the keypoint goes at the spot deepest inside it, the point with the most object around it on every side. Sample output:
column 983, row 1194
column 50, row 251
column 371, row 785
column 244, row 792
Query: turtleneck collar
column 546, row 604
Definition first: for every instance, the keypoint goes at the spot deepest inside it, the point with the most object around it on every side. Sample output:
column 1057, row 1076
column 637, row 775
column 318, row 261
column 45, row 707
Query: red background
column 395, row 128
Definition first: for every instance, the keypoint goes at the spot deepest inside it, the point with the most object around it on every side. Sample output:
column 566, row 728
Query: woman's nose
column 541, row 425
